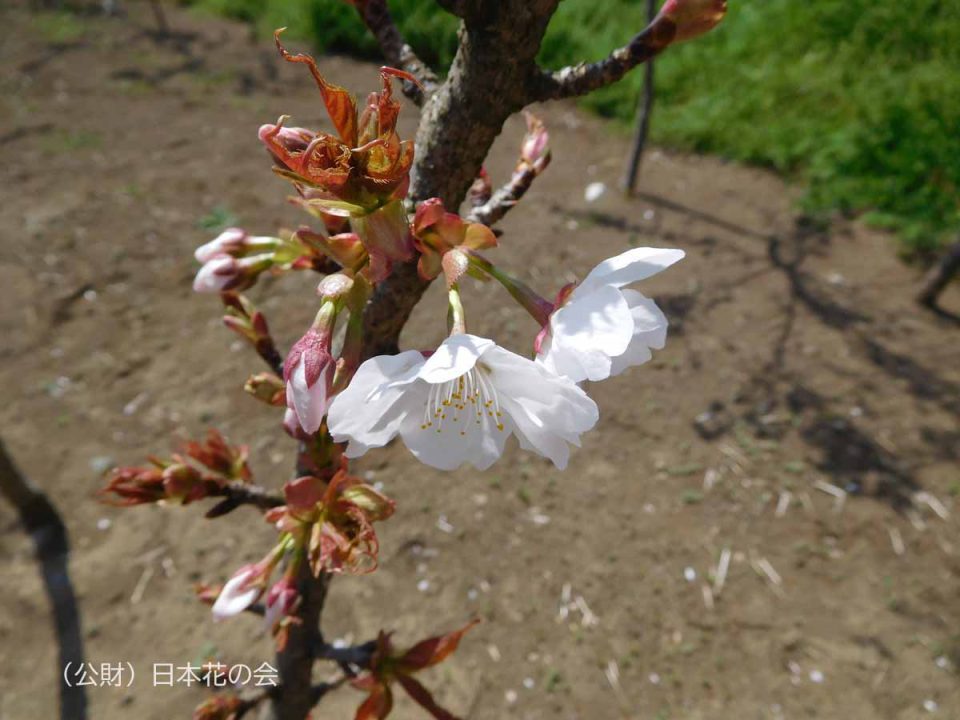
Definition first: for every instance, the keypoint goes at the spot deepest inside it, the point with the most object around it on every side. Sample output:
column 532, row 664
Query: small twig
column 137, row 595
column 504, row 198
column 323, row 688
column 783, row 504
column 355, row 655
column 839, row 494
column 896, row 541
column 720, row 577
column 240, row 493
column 576, row 80
column 398, row 53
column 163, row 27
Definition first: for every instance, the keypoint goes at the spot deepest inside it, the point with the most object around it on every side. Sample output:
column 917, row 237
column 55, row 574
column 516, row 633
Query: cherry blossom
column 460, row 404
column 601, row 329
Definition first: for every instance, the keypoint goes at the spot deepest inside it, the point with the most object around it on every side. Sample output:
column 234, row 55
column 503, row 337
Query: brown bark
column 489, row 80
column 585, row 78
column 296, row 696
column 376, row 16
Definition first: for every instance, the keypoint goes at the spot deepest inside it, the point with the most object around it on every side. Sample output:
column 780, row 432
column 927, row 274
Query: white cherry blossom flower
column 602, row 329
column 460, row 404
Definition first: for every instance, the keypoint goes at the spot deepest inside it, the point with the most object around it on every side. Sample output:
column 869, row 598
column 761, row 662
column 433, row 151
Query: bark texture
column 489, row 80
column 296, row 695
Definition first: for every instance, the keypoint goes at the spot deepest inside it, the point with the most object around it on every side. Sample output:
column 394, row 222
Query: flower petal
column 632, row 266
column 235, row 596
column 367, row 412
column 649, row 332
column 547, row 411
column 586, row 332
column 309, row 401
column 455, row 357
column 447, row 444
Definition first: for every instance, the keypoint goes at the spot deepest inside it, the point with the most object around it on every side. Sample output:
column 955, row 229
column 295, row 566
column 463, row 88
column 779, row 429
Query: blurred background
column 800, row 430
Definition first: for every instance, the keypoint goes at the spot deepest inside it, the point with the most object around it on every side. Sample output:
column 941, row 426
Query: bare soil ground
column 803, row 348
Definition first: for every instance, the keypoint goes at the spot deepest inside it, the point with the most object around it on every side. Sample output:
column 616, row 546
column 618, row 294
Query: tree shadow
column 848, row 454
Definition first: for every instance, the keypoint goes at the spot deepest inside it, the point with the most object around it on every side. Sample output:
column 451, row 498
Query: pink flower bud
column 216, row 274
column 308, row 372
column 334, row 286
column 534, row 150
column 240, row 592
column 224, row 272
column 692, row 17
column 282, row 600
column 227, row 242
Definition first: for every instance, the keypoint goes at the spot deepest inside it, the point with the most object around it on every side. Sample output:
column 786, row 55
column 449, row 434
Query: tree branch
column 239, row 493
column 376, row 16
column 296, row 694
column 505, row 197
column 576, row 80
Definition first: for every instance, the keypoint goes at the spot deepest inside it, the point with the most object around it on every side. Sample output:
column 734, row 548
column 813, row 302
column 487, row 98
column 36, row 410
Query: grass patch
column 59, row 27
column 856, row 99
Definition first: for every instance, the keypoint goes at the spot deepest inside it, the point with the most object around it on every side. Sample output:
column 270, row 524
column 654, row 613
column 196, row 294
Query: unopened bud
column 692, row 17
column 535, row 151
column 267, row 388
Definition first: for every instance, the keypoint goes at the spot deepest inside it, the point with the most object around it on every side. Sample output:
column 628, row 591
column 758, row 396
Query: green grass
column 858, row 100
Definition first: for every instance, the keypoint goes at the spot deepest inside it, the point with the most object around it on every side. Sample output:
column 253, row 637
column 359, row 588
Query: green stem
column 456, row 318
column 538, row 307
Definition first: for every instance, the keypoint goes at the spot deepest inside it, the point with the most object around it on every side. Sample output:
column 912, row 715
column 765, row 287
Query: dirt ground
column 796, row 361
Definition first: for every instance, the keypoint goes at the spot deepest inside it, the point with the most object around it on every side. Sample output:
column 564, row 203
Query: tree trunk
column 489, row 80
column 295, row 663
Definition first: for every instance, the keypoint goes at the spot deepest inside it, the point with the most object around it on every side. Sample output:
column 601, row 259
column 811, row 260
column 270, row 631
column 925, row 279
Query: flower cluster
column 326, row 523
column 202, row 470
column 457, row 403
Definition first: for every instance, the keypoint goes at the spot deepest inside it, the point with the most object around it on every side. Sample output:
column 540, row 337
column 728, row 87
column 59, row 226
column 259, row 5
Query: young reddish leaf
column 303, row 494
column 433, row 650
column 340, row 103
column 378, row 704
column 423, row 698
